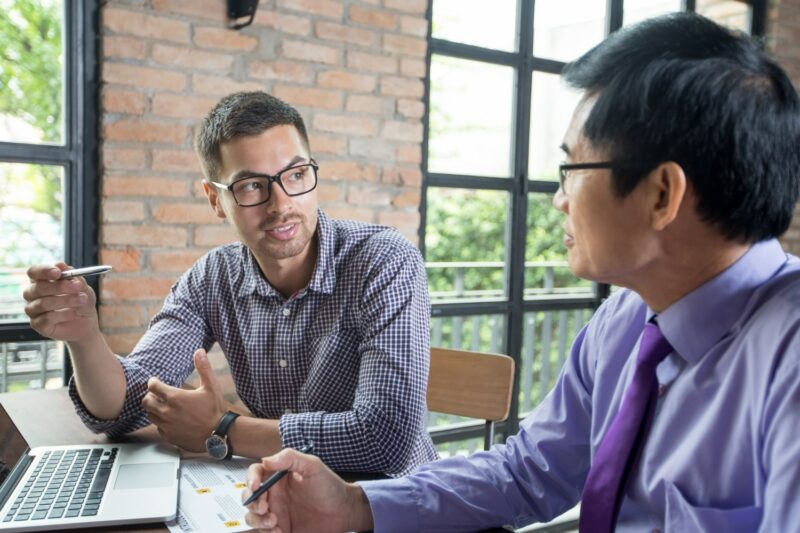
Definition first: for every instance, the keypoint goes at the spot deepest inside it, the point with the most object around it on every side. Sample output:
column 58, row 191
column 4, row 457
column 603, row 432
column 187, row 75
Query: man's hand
column 60, row 309
column 310, row 498
column 186, row 417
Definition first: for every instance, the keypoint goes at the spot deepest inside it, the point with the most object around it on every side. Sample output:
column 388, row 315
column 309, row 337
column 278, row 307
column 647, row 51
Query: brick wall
column 784, row 40
column 355, row 71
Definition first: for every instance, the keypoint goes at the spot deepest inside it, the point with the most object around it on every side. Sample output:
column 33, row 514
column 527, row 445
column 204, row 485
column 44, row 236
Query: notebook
column 62, row 487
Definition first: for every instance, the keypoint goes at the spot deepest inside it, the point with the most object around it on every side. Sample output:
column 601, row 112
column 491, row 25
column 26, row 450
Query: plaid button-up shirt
column 343, row 363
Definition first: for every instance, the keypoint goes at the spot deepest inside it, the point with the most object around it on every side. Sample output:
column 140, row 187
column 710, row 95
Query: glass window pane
column 465, row 248
column 547, row 273
column 30, row 365
column 552, row 104
column 565, row 29
column 31, row 207
column 477, row 22
column 546, row 339
column 32, row 71
column 459, row 447
column 733, row 14
column 638, row 10
column 470, row 119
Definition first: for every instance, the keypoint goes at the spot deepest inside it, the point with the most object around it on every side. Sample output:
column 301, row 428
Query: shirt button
column 662, row 389
column 282, row 363
column 286, row 311
column 288, row 412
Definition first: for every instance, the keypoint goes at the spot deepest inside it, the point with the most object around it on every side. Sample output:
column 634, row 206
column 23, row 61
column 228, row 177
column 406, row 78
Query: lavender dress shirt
column 724, row 450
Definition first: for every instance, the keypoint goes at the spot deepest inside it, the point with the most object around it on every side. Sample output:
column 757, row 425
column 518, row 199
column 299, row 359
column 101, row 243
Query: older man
column 679, row 406
column 324, row 322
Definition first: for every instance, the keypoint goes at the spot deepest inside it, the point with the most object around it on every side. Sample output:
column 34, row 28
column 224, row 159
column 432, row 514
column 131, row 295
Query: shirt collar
column 697, row 321
column 323, row 279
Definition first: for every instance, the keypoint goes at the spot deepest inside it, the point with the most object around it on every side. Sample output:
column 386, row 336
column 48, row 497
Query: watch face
column 217, row 447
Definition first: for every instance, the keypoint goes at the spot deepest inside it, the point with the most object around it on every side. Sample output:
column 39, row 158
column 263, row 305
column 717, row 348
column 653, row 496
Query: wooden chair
column 472, row 384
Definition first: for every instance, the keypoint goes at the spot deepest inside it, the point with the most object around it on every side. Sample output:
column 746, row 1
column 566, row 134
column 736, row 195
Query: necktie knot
column 654, row 347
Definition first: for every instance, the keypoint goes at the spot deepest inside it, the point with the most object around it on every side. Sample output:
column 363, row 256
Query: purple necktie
column 621, row 446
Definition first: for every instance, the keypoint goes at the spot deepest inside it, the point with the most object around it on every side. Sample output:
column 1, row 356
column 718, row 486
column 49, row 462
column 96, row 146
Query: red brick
column 407, row 198
column 282, row 71
column 314, row 53
column 329, row 192
column 282, row 22
column 413, row 68
column 341, row 79
column 401, row 131
column 397, row 86
column 411, row 108
column 121, row 316
column 125, row 260
column 327, row 144
column 347, row 171
column 374, row 196
column 177, row 262
column 345, row 124
column 120, row 101
column 195, row 213
column 409, row 153
column 154, row 236
column 123, row 343
column 409, row 6
column 414, row 26
column 191, row 59
column 137, row 288
column 142, row 25
column 371, row 62
column 373, row 149
column 176, row 161
column 182, row 106
column 124, row 47
column 144, row 186
column 405, row 221
column 360, row 103
column 408, row 176
column 302, row 96
column 326, row 8
column 373, row 17
column 221, row 85
column 402, row 44
column 139, row 130
column 123, row 158
column 364, row 214
column 152, row 78
column 347, row 34
column 224, row 39
column 215, row 235
column 122, row 211
column 206, row 9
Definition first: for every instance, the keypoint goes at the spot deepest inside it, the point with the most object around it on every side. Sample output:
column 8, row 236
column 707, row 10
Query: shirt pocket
column 683, row 517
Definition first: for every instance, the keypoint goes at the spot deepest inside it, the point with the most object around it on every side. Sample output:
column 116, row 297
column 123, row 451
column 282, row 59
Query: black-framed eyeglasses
column 256, row 189
column 566, row 167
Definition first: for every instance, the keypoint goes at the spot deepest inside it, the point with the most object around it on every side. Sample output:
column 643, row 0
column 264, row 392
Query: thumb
column 293, row 461
column 207, row 378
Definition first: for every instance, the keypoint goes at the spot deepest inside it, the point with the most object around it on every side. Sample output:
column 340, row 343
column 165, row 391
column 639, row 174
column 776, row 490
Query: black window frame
column 78, row 155
column 515, row 306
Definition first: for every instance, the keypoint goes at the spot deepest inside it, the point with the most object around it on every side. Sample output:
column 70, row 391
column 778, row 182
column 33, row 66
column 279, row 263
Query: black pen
column 274, row 478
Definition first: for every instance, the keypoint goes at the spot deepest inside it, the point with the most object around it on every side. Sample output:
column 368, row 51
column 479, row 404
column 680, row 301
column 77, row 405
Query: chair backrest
column 472, row 384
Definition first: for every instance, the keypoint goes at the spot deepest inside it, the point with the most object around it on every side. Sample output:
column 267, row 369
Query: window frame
column 514, row 306
column 78, row 156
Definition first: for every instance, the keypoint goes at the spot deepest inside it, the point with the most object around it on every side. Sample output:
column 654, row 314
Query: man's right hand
column 311, row 498
column 60, row 309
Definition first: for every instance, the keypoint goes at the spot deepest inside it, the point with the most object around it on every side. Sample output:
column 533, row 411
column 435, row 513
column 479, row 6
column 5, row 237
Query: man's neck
column 293, row 274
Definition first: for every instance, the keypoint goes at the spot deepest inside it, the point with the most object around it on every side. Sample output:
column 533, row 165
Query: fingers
column 160, row 390
column 293, row 461
column 206, row 373
column 48, row 287
column 45, row 272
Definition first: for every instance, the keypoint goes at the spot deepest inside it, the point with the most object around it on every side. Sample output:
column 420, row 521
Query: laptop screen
column 12, row 445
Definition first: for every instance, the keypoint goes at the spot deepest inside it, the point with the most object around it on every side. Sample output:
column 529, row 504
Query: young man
column 324, row 323
column 679, row 406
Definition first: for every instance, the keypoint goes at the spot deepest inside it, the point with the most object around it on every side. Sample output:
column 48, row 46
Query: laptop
column 62, row 487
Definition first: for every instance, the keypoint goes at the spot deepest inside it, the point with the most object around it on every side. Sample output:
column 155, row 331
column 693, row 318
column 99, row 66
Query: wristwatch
column 218, row 445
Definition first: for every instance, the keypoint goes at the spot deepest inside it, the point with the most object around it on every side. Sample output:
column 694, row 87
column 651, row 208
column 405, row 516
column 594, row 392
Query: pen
column 274, row 478
column 84, row 272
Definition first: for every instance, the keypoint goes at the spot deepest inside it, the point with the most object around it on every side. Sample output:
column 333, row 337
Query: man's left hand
column 186, row 418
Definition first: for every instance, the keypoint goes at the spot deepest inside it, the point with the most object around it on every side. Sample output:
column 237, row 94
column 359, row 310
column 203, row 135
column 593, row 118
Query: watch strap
column 222, row 428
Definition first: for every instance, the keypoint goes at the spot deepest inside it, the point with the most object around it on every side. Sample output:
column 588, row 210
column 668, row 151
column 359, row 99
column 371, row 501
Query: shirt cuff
column 393, row 504
column 297, row 430
column 132, row 415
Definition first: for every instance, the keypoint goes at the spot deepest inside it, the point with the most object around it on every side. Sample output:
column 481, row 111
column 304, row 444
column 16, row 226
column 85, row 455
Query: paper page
column 210, row 496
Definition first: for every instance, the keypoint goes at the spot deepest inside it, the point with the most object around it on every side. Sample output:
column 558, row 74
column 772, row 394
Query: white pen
column 84, row 272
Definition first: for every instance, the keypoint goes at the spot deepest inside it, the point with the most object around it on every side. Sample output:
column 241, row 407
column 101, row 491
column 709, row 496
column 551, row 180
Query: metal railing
column 30, row 365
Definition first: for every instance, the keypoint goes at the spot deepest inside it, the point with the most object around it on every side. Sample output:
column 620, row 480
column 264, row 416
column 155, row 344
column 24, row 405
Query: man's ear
column 214, row 199
column 666, row 192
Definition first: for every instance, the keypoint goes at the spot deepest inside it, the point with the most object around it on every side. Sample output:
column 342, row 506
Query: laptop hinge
column 13, row 478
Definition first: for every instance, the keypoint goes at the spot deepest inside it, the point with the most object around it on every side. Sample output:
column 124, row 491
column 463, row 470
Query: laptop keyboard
column 64, row 484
